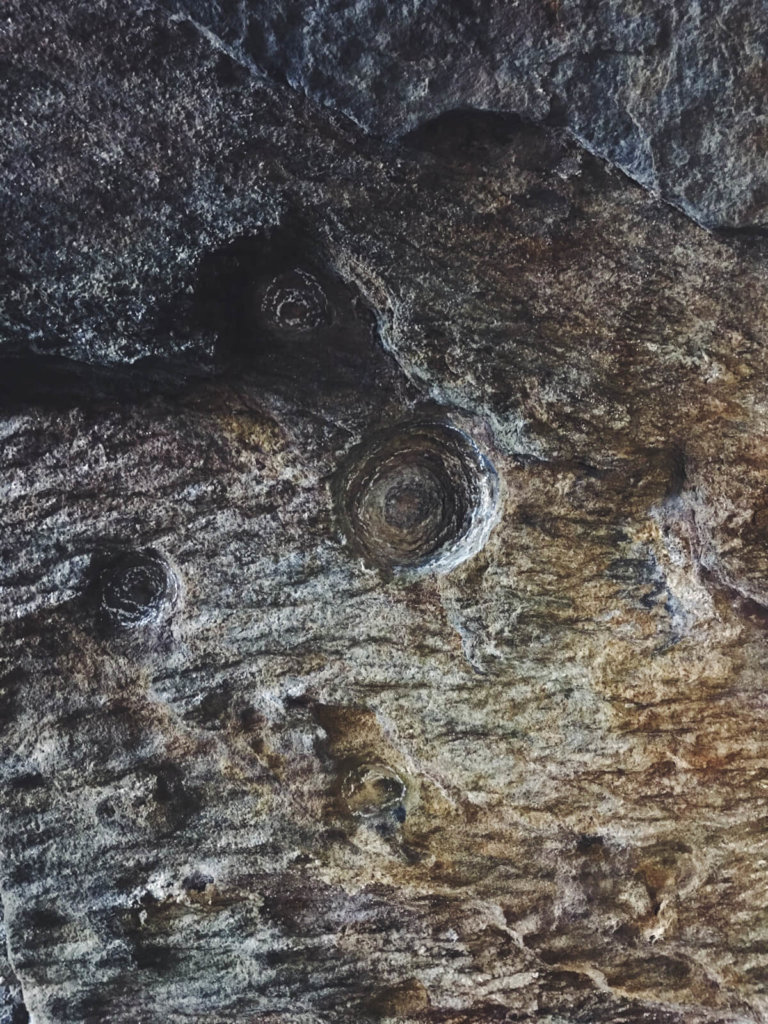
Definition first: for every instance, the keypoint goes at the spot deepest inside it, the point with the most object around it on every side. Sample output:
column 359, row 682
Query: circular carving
column 137, row 588
column 295, row 301
column 372, row 788
column 421, row 497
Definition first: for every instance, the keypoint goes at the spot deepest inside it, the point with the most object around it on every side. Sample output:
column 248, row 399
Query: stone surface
column 257, row 766
column 672, row 93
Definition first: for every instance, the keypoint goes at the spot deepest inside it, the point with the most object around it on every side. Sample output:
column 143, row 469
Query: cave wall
column 383, row 600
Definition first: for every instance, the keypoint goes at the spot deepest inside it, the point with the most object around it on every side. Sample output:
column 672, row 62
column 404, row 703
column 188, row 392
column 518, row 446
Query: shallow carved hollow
column 420, row 496
column 134, row 589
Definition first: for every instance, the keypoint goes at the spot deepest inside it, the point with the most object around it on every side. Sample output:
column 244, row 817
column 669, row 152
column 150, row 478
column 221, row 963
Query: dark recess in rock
column 281, row 315
column 133, row 589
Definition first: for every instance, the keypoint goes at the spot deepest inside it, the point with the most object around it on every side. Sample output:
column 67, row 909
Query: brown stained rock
column 254, row 772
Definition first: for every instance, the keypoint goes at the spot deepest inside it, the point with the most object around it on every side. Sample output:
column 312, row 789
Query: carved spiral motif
column 295, row 301
column 372, row 788
column 138, row 588
column 422, row 497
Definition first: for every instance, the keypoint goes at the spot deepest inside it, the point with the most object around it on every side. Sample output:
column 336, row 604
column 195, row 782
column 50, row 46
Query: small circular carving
column 295, row 301
column 421, row 497
column 138, row 587
column 372, row 788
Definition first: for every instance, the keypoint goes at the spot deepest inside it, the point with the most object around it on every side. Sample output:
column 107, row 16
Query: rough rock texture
column 673, row 93
column 383, row 582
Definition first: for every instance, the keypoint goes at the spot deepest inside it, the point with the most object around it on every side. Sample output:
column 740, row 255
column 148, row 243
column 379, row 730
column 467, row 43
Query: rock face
column 673, row 93
column 383, row 600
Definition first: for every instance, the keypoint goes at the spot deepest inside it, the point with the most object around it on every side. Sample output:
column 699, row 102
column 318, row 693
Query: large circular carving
column 136, row 589
column 295, row 301
column 420, row 497
column 371, row 789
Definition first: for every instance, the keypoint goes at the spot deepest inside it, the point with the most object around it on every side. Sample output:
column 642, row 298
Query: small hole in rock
column 372, row 788
column 197, row 882
column 295, row 301
column 134, row 589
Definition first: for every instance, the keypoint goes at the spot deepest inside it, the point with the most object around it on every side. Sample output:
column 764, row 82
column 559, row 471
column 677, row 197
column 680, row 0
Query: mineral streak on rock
column 421, row 496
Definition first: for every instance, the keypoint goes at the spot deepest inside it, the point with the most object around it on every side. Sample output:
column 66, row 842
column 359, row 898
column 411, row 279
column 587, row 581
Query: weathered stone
column 258, row 765
column 673, row 94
